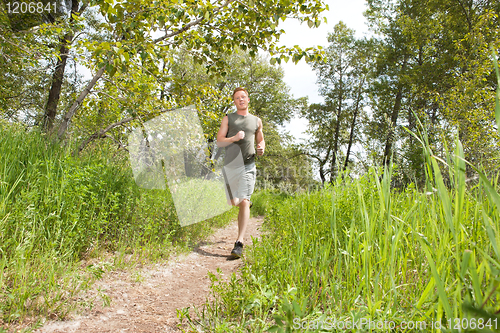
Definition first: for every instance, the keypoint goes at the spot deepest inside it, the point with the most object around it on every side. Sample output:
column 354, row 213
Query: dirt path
column 149, row 305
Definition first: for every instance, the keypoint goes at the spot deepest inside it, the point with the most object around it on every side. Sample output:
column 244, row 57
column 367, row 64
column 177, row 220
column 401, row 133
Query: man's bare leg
column 235, row 201
column 243, row 217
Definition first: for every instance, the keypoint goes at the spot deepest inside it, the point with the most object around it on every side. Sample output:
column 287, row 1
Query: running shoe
column 237, row 252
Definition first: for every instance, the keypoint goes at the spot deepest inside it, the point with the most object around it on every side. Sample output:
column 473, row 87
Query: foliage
column 266, row 200
column 58, row 211
column 284, row 167
column 115, row 38
column 342, row 80
column 433, row 61
column 23, row 62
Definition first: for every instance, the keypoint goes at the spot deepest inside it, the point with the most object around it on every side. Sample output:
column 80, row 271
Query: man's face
column 241, row 100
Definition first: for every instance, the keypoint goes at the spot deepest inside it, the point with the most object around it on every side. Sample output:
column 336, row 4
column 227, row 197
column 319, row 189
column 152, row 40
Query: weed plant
column 265, row 200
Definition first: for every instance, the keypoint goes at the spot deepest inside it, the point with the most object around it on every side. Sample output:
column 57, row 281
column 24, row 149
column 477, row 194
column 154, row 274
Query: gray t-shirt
column 248, row 124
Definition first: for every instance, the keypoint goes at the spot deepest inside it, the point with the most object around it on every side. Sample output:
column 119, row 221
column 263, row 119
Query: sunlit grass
column 359, row 250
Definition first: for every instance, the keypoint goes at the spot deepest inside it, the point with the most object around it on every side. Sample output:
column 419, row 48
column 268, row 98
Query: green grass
column 359, row 250
column 58, row 211
column 265, row 200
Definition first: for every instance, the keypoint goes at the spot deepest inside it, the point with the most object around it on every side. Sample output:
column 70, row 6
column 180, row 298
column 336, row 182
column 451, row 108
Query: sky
column 301, row 78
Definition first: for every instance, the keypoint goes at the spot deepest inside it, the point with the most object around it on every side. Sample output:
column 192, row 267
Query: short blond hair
column 240, row 89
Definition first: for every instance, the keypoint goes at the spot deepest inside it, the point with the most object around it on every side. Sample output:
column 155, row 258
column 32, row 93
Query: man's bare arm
column 259, row 137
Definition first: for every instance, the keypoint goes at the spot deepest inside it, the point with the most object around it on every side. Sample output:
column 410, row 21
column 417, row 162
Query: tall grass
column 359, row 250
column 56, row 210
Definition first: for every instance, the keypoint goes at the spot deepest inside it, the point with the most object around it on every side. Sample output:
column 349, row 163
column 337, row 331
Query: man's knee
column 244, row 202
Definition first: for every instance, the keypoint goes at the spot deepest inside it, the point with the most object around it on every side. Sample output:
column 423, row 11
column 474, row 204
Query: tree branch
column 191, row 24
column 67, row 117
column 102, row 133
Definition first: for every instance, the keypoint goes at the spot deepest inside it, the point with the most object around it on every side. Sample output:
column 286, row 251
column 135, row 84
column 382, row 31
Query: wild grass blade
column 459, row 179
column 444, row 197
column 492, row 234
column 443, row 298
column 488, row 186
column 497, row 95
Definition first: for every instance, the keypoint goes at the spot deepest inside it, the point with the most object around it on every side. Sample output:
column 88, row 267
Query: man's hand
column 260, row 149
column 239, row 136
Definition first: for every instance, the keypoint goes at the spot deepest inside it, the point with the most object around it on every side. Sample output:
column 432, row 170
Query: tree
column 467, row 106
column 342, row 79
column 433, row 63
column 207, row 29
column 113, row 38
column 58, row 76
column 24, row 56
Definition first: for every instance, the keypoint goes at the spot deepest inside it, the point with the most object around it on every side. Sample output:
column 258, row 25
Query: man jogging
column 238, row 132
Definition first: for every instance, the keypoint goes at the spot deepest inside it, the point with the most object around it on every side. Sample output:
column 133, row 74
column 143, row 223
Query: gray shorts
column 240, row 181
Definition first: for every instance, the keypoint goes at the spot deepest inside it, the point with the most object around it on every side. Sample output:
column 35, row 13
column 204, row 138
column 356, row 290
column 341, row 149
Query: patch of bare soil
column 146, row 300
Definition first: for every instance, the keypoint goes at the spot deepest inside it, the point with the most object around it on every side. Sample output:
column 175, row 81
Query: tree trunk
column 57, row 80
column 353, row 124
column 333, row 167
column 67, row 117
column 322, row 174
column 392, row 132
column 58, row 76
column 394, row 118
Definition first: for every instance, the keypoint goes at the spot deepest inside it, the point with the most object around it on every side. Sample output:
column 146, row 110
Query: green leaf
column 476, row 285
column 297, row 309
column 110, row 69
column 105, row 46
column 465, row 263
column 490, row 190
column 425, row 294
column 443, row 196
